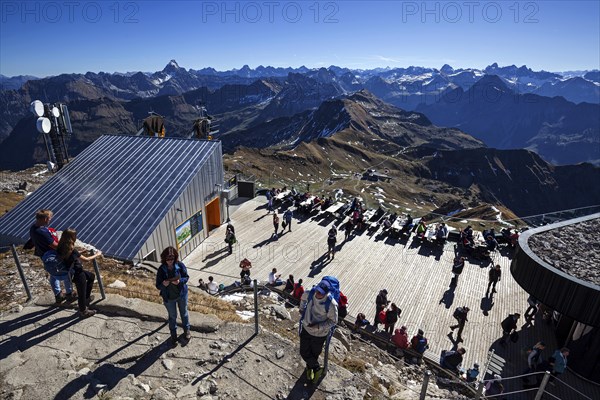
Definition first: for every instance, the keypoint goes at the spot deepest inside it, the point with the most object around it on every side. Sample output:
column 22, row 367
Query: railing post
column 98, row 277
column 545, row 380
column 255, row 284
column 21, row 272
column 426, row 377
column 480, row 390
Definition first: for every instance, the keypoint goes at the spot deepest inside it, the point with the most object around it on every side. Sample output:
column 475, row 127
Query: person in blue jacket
column 171, row 280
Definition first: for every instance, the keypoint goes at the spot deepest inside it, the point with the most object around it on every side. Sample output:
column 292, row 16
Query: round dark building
column 559, row 265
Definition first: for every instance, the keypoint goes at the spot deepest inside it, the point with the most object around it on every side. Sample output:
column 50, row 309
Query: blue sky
column 48, row 38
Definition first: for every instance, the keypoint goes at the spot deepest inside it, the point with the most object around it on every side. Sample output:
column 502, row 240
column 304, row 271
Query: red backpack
column 343, row 300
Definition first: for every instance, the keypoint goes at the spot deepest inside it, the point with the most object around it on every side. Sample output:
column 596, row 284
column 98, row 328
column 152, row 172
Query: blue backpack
column 334, row 290
column 53, row 264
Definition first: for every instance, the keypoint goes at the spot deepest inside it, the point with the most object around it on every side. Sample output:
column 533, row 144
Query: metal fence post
column 426, row 377
column 98, row 277
column 21, row 272
column 540, row 391
column 255, row 284
column 480, row 390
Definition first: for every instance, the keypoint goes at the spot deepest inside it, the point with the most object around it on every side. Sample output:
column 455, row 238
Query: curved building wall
column 576, row 300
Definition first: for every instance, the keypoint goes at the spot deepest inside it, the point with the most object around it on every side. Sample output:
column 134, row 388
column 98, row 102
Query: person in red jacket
column 342, row 307
column 400, row 338
column 298, row 290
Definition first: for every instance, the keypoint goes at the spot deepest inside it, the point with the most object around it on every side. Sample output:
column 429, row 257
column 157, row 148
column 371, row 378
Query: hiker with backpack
column 230, row 238
column 171, row 280
column 419, row 342
column 319, row 314
column 460, row 314
column 451, row 360
column 84, row 280
column 43, row 238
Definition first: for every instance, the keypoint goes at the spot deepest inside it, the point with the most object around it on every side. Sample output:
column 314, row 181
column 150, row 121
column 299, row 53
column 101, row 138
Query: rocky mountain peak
column 171, row 67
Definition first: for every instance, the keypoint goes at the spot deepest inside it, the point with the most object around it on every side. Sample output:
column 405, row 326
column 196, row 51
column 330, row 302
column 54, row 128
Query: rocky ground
column 578, row 249
column 48, row 353
column 123, row 353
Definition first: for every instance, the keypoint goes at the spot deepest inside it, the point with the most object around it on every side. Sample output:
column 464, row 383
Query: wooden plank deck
column 417, row 279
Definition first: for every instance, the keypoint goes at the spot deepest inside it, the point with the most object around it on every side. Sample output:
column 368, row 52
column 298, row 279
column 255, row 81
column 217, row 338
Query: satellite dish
column 37, row 108
column 43, row 125
column 55, row 112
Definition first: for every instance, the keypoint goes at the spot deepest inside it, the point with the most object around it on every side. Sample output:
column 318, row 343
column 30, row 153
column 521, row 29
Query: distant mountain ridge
column 560, row 131
column 242, row 102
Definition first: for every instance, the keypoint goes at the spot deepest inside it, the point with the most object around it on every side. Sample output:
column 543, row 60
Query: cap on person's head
column 384, row 291
column 476, row 366
column 517, row 315
column 320, row 289
column 403, row 328
column 420, row 332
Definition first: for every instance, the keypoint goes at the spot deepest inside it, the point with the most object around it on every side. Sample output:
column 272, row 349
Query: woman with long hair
column 84, row 280
column 171, row 280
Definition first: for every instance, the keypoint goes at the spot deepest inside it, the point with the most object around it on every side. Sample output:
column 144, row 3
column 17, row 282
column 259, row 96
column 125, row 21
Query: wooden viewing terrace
column 416, row 277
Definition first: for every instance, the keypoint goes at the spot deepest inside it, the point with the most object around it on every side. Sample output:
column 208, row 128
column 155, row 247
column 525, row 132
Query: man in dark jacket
column 381, row 302
column 493, row 278
column 461, row 317
column 451, row 360
column 509, row 325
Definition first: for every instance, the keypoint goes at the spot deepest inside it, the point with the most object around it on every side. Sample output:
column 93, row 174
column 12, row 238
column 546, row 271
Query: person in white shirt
column 275, row 278
column 212, row 287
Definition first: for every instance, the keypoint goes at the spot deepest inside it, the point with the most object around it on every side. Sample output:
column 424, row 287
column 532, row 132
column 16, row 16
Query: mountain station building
column 131, row 197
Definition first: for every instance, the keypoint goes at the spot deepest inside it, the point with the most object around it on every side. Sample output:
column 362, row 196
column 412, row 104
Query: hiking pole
column 255, row 284
column 21, row 273
column 326, row 356
column 98, row 276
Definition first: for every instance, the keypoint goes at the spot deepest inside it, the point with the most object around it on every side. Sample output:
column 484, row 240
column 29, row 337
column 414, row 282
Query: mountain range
column 497, row 106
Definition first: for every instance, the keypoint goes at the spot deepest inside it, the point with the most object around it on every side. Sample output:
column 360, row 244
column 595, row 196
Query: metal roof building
column 131, row 196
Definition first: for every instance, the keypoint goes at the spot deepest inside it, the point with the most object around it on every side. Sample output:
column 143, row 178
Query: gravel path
column 573, row 249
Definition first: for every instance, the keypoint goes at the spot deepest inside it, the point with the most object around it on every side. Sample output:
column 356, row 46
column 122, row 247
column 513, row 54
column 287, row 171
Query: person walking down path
column 560, row 361
column 230, row 238
column 494, row 276
column 331, row 240
column 84, row 280
column 44, row 238
column 460, row 314
column 171, row 280
column 457, row 269
column 287, row 220
column 275, row 224
column 319, row 313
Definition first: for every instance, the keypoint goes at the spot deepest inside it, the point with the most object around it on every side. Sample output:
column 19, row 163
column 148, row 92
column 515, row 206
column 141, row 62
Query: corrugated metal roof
column 115, row 192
